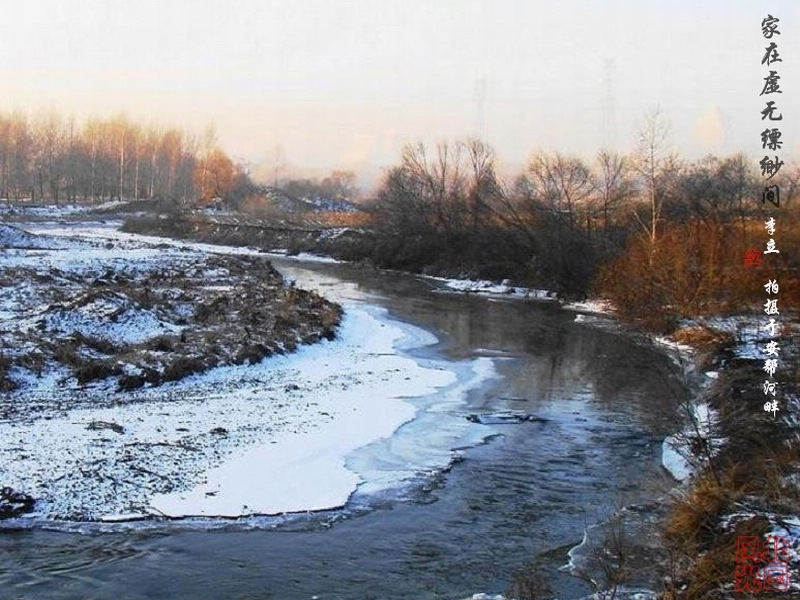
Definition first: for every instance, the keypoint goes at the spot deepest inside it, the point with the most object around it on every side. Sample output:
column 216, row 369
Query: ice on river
column 302, row 470
column 293, row 433
column 265, row 439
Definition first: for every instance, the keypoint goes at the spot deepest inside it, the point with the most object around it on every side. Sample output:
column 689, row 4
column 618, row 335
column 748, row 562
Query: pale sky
column 345, row 83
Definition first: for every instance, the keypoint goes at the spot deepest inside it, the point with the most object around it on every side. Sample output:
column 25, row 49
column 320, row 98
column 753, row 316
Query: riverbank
column 593, row 313
column 596, row 356
column 743, row 461
column 78, row 311
column 533, row 488
column 738, row 464
column 104, row 451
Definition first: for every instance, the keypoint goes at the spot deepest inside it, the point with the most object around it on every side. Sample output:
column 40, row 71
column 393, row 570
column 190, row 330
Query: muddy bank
column 83, row 311
column 533, row 488
column 737, row 463
column 745, row 461
column 342, row 243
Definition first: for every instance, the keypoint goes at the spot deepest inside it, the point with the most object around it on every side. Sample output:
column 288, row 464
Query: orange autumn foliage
column 698, row 268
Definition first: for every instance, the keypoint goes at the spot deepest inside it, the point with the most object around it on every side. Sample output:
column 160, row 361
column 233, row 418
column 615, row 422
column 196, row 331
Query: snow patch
column 307, row 470
column 486, row 287
column 103, row 319
column 597, row 306
column 683, row 454
column 13, row 237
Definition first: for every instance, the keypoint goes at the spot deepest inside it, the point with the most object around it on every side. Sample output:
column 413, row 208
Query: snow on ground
column 64, row 299
column 595, row 306
column 505, row 288
column 107, row 318
column 58, row 211
column 292, row 433
column 675, row 348
column 680, row 455
column 109, row 232
column 94, row 250
column 486, row 287
column 52, row 210
column 14, row 237
column 750, row 332
column 358, row 386
column 303, row 256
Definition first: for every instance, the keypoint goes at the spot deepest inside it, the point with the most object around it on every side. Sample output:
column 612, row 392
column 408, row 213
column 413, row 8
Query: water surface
column 532, row 488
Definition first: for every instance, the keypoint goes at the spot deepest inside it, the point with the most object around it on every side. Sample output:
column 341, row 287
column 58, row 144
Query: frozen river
column 419, row 524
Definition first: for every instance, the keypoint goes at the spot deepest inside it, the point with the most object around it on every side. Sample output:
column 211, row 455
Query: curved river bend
column 529, row 491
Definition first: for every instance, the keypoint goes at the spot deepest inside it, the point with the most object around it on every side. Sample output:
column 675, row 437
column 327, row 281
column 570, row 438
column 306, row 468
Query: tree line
column 655, row 233
column 62, row 160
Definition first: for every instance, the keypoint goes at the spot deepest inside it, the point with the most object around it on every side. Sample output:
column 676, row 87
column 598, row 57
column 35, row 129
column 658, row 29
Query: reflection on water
column 532, row 488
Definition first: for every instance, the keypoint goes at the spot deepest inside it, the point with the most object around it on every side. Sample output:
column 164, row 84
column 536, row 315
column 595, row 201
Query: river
column 529, row 491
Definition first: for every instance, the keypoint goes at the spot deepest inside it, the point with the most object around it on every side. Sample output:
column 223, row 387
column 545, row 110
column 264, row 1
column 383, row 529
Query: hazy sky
column 348, row 82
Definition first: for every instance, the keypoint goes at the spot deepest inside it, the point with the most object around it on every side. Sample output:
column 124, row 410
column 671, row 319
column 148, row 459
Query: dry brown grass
column 6, row 384
column 697, row 269
column 343, row 219
column 694, row 520
column 694, row 530
column 162, row 343
column 702, row 338
column 713, row 569
column 183, row 366
column 94, row 370
column 102, row 345
column 771, row 480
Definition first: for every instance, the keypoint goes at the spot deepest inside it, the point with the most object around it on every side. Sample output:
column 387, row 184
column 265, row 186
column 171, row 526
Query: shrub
column 162, row 343
column 183, row 366
column 94, row 370
column 694, row 269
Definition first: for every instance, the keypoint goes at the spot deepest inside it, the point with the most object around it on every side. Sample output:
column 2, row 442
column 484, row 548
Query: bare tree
column 439, row 182
column 655, row 164
column 22, row 151
column 120, row 133
column 452, row 191
column 564, row 185
column 613, row 183
column 208, row 144
column 339, row 185
column 5, row 155
column 485, row 191
column 49, row 141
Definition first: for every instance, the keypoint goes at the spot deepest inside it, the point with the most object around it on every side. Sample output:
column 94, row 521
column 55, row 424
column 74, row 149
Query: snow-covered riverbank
column 297, row 432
